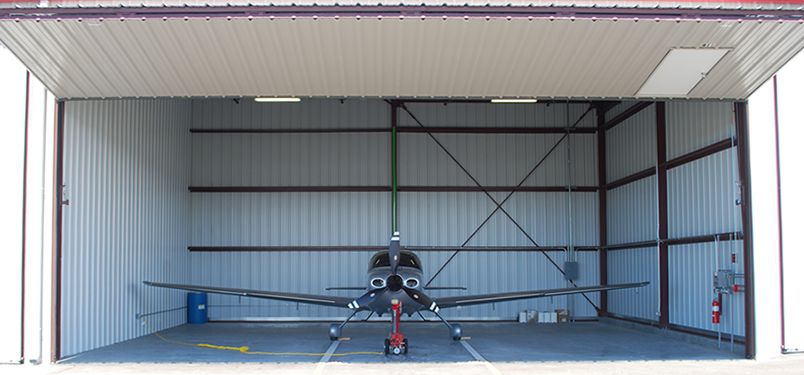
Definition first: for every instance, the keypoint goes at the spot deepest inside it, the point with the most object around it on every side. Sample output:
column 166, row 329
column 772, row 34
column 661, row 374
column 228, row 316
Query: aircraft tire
column 334, row 332
column 455, row 332
column 387, row 347
column 405, row 344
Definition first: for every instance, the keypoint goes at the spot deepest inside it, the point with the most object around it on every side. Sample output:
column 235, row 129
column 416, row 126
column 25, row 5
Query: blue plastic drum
column 196, row 308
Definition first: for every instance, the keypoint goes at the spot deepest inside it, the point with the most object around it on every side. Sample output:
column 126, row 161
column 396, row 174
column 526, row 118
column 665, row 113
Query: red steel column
column 601, row 194
column 661, row 177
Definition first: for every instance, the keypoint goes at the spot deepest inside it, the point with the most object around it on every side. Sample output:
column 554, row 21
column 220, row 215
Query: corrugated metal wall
column 701, row 202
column 701, row 199
column 126, row 171
column 632, row 214
column 691, row 269
column 129, row 163
column 631, row 146
column 348, row 158
column 450, row 218
column 352, row 158
column 632, row 265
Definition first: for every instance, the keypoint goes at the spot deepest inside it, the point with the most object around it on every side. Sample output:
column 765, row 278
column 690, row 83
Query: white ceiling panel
column 449, row 57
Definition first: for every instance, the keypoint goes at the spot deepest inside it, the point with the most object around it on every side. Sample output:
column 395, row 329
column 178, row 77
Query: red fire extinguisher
column 715, row 311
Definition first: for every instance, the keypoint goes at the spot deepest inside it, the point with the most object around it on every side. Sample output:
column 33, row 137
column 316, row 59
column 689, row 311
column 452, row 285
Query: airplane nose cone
column 394, row 283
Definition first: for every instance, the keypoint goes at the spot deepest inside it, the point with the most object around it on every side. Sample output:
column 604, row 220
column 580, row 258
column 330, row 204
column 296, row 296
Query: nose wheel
column 396, row 350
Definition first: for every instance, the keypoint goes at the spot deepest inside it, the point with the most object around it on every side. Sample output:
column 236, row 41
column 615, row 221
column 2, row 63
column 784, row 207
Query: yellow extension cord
column 247, row 350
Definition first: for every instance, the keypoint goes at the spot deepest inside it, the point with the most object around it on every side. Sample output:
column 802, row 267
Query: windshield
column 408, row 259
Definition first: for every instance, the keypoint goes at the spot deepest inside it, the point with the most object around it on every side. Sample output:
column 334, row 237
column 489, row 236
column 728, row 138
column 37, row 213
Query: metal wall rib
column 126, row 175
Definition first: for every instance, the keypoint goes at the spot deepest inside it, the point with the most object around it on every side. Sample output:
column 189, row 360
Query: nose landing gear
column 397, row 343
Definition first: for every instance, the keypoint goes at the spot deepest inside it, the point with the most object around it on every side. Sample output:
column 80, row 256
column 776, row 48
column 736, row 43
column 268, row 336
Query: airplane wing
column 282, row 296
column 479, row 299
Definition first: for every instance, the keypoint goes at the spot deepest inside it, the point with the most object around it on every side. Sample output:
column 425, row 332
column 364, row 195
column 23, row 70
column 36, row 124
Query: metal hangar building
column 144, row 156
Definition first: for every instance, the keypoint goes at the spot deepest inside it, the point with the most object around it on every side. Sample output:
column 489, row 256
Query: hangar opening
column 298, row 197
column 159, row 165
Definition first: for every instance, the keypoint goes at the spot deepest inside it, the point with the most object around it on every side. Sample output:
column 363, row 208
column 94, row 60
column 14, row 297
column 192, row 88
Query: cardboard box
column 563, row 315
column 523, row 316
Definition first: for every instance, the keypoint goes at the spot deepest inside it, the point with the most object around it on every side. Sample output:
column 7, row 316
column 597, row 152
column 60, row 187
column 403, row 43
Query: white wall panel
column 692, row 125
column 691, row 277
column 701, row 197
column 632, row 215
column 631, row 145
column 630, row 266
column 290, row 219
column 126, row 171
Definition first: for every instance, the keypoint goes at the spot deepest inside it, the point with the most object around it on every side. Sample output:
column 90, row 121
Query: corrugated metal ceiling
column 125, row 55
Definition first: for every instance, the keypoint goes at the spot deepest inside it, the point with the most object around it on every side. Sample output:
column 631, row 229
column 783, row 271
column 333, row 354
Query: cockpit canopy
column 408, row 259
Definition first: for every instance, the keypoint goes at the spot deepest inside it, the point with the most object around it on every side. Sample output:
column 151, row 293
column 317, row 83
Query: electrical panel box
column 571, row 270
column 725, row 282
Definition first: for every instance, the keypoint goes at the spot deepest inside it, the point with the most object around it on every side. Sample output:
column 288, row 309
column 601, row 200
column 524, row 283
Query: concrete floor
column 429, row 342
column 494, row 348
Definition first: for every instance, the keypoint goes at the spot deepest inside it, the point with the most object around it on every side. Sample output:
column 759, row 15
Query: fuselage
column 409, row 273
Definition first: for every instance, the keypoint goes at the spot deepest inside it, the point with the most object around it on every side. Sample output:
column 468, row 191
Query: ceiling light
column 277, row 100
column 513, row 101
column 680, row 71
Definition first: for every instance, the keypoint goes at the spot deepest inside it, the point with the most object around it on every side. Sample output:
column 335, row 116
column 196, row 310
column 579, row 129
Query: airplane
column 394, row 286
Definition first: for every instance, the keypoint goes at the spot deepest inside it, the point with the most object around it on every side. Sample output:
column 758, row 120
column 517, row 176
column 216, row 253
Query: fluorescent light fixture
column 513, row 101
column 277, row 100
column 680, row 71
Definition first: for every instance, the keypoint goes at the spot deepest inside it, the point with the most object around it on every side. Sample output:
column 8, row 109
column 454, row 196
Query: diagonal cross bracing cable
column 499, row 204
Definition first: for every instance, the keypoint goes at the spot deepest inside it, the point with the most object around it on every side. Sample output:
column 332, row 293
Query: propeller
column 367, row 298
column 394, row 283
column 422, row 298
column 394, row 253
